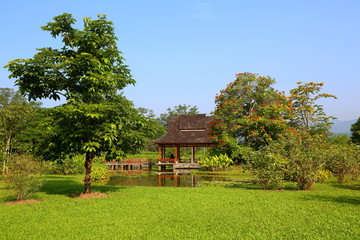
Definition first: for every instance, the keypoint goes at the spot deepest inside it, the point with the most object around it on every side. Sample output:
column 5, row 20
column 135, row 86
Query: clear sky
column 186, row 51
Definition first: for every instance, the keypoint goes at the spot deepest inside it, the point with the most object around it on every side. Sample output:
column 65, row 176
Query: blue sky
column 184, row 51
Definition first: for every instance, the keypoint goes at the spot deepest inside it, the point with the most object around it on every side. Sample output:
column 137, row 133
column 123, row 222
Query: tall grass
column 331, row 211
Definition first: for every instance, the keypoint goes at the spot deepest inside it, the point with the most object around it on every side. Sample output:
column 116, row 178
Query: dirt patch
column 29, row 201
column 91, row 195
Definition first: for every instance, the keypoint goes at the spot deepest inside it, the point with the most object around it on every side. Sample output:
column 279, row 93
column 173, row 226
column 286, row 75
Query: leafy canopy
column 89, row 67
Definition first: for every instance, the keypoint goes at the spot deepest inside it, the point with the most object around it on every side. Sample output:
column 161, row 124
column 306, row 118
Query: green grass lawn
column 330, row 211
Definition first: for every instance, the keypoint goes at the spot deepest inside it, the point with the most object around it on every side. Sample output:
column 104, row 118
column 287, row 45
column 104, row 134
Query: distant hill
column 342, row 127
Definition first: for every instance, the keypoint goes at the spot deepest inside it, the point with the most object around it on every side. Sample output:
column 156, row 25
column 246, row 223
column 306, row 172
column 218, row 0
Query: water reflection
column 177, row 178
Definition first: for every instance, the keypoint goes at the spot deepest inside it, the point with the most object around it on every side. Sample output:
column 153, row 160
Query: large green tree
column 88, row 71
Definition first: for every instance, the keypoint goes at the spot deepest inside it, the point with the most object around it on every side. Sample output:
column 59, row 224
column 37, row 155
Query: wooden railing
column 167, row 160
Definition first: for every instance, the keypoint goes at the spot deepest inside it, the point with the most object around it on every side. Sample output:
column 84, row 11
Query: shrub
column 298, row 157
column 322, row 175
column 305, row 155
column 268, row 167
column 68, row 166
column 215, row 163
column 99, row 173
column 344, row 161
column 23, row 176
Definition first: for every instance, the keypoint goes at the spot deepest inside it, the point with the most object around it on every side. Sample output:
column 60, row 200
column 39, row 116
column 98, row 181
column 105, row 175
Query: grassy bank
column 331, row 211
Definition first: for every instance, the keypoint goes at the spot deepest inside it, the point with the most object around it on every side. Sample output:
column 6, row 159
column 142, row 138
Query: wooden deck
column 129, row 164
column 170, row 162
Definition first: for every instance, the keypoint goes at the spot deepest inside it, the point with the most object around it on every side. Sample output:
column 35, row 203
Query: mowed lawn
column 330, row 211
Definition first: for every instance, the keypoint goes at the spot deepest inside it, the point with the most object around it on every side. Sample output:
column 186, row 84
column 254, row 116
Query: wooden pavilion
column 188, row 130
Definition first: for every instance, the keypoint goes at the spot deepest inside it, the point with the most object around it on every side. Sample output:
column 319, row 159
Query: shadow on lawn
column 354, row 186
column 339, row 199
column 251, row 185
column 59, row 185
column 254, row 185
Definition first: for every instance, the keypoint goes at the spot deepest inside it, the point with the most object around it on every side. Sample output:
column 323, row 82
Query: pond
column 168, row 179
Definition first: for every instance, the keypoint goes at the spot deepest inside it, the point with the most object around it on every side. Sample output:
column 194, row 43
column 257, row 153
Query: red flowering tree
column 250, row 112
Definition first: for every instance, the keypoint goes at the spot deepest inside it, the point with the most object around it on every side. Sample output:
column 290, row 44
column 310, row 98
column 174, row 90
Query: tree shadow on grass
column 338, row 199
column 250, row 185
column 353, row 186
column 254, row 185
column 63, row 185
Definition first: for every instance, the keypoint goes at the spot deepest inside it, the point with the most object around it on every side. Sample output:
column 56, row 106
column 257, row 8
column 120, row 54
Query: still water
column 160, row 179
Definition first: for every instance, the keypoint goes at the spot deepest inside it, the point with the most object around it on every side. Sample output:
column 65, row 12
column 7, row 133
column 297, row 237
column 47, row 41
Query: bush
column 298, row 157
column 68, row 166
column 23, row 176
column 99, row 173
column 322, row 175
column 215, row 163
column 344, row 161
column 268, row 167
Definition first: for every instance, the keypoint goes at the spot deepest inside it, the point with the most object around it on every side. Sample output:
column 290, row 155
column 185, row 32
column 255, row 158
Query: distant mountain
column 342, row 127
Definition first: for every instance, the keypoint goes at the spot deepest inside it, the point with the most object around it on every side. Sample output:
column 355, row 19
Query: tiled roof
column 187, row 129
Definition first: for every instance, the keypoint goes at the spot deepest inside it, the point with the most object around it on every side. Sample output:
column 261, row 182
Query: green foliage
column 344, row 161
column 89, row 67
column 339, row 139
column 100, row 173
column 215, row 163
column 157, row 127
column 177, row 110
column 249, row 111
column 355, row 132
column 153, row 156
column 113, row 128
column 70, row 165
column 267, row 166
column 15, row 115
column 305, row 155
column 322, row 175
column 23, row 176
column 308, row 115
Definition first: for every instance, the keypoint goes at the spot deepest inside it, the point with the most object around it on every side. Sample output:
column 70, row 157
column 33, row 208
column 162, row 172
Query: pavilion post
column 192, row 154
column 177, row 153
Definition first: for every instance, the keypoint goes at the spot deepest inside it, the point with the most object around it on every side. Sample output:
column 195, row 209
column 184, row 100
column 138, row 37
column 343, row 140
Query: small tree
column 88, row 71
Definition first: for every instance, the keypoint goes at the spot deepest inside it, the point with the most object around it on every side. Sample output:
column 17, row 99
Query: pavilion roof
column 187, row 129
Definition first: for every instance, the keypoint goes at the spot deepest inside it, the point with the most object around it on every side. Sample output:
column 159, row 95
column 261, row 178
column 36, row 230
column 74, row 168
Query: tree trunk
column 7, row 154
column 88, row 165
column 8, row 145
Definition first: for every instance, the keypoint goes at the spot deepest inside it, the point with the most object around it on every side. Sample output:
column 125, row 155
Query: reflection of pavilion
column 184, row 131
column 179, row 179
